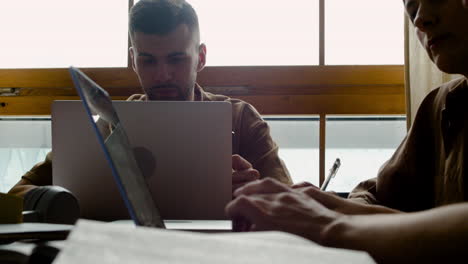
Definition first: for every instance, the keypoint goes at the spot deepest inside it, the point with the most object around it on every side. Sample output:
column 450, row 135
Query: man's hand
column 330, row 199
column 242, row 172
column 271, row 205
column 263, row 204
column 341, row 205
column 303, row 184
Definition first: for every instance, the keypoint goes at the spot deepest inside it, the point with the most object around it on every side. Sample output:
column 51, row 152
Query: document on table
column 97, row 242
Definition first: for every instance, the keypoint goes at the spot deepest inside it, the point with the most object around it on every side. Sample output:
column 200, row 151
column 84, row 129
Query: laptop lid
column 191, row 142
column 183, row 149
column 117, row 150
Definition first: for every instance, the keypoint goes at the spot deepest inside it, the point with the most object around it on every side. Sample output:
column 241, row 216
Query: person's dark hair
column 161, row 17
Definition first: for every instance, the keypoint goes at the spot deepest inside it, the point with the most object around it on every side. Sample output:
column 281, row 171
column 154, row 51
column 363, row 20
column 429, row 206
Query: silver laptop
column 170, row 157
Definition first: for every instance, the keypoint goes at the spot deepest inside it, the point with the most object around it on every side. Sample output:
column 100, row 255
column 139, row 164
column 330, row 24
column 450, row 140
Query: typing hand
column 268, row 186
column 242, row 172
column 333, row 202
column 271, row 205
column 253, row 194
column 303, row 185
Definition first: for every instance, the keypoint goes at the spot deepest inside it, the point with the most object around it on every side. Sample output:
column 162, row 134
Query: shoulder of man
column 436, row 99
column 452, row 86
column 247, row 122
column 239, row 107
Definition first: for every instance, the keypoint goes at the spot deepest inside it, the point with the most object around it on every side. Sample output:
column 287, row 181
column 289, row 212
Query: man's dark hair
column 161, row 17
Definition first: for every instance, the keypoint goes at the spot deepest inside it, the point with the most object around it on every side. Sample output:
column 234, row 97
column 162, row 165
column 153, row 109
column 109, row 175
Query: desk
column 30, row 252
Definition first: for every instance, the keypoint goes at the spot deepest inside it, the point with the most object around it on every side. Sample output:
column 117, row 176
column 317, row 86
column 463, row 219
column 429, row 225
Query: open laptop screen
column 118, row 151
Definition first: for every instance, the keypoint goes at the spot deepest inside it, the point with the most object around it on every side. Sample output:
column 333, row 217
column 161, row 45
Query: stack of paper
column 96, row 242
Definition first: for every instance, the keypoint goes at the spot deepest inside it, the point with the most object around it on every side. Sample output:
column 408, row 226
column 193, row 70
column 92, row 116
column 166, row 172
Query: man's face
column 442, row 28
column 167, row 65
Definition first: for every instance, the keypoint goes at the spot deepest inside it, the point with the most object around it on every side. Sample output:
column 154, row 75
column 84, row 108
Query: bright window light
column 364, row 32
column 89, row 33
column 260, row 32
column 60, row 33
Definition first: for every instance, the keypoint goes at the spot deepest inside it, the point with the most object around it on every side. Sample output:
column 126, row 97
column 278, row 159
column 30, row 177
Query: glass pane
column 60, row 33
column 363, row 144
column 23, row 143
column 298, row 141
column 364, row 32
column 260, row 32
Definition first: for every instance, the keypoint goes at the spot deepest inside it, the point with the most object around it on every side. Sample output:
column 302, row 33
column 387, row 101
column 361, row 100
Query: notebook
column 117, row 148
column 95, row 242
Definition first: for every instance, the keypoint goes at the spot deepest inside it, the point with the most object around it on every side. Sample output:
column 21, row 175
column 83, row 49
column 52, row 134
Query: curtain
column 421, row 75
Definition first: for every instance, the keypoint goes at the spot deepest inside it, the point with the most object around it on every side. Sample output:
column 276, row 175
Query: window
column 265, row 32
column 260, row 32
column 298, row 141
column 23, row 143
column 363, row 144
column 298, row 57
column 363, row 32
column 60, row 33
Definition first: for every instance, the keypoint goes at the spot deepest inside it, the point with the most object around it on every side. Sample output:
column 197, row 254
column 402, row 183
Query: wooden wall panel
column 272, row 90
column 268, row 104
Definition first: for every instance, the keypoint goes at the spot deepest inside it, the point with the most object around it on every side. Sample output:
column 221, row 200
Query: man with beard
column 167, row 55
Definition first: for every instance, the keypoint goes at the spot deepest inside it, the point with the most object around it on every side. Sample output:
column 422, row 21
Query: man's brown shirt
column 428, row 168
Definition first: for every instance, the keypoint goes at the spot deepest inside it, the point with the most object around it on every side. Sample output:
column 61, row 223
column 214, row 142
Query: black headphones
column 50, row 204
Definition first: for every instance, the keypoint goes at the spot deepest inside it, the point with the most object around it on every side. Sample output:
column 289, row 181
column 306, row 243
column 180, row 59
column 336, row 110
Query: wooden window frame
column 282, row 90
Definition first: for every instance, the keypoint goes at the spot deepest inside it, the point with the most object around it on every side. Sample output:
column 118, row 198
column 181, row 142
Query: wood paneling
column 272, row 90
column 60, row 78
column 268, row 104
column 290, row 76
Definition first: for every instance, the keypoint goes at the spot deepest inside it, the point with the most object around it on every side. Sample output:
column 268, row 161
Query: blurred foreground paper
column 97, row 242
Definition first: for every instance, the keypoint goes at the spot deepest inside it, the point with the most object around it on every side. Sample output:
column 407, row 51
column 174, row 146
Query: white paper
column 97, row 242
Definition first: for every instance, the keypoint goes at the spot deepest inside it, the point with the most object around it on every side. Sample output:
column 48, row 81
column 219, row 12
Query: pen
column 331, row 174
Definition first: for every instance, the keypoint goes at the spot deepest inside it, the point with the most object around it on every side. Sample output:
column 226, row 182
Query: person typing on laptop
column 167, row 56
column 416, row 210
